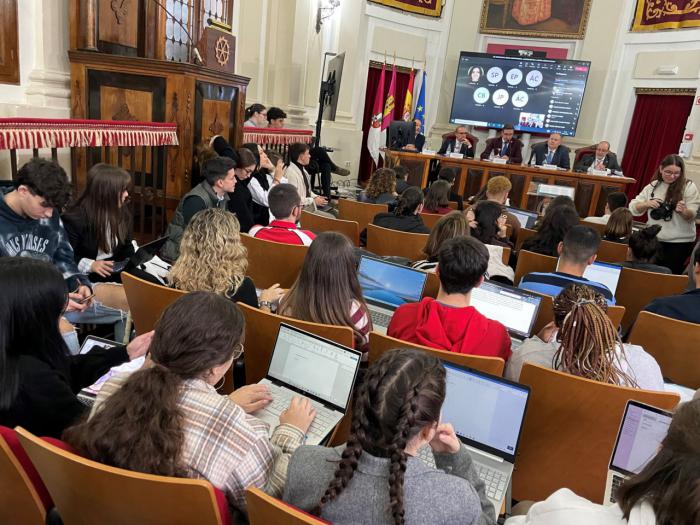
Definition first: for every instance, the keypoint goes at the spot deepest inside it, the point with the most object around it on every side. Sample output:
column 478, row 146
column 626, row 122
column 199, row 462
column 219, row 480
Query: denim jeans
column 96, row 313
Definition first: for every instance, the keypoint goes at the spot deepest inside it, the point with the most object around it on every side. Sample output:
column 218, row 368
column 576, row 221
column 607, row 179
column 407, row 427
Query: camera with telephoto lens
column 663, row 212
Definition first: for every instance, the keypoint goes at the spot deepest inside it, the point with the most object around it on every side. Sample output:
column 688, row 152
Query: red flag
column 388, row 115
column 374, row 135
column 408, row 102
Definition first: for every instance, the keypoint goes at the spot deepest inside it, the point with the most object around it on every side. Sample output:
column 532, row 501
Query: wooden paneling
column 118, row 25
column 216, row 118
column 9, row 44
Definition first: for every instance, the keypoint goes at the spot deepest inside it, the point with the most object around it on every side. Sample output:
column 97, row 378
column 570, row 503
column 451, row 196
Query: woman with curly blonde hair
column 381, row 188
column 213, row 259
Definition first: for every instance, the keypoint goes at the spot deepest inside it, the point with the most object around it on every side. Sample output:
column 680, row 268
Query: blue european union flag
column 420, row 104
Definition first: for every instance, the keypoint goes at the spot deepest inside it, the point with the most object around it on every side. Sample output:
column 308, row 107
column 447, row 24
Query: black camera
column 663, row 212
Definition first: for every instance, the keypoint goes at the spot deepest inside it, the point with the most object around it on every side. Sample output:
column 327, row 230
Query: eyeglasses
column 671, row 173
column 238, row 351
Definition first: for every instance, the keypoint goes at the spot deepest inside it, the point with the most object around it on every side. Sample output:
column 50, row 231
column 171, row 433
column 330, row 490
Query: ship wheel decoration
column 222, row 51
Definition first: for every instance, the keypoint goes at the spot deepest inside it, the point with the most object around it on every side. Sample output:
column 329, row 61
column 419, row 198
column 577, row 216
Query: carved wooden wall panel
column 118, row 26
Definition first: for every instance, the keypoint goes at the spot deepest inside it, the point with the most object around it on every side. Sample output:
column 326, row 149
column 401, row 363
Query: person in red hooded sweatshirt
column 449, row 322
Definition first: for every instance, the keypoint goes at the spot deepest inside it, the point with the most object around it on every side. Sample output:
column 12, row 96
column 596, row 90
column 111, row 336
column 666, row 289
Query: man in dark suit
column 460, row 144
column 551, row 152
column 602, row 159
column 419, row 140
column 505, row 147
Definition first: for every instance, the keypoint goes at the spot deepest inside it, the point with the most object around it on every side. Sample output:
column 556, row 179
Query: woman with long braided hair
column 376, row 477
column 583, row 341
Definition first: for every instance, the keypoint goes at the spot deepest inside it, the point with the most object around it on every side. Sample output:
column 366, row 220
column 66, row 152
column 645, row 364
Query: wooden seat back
column 674, row 344
column 19, row 500
column 611, row 252
column 263, row 509
column 533, row 262
column 147, row 301
column 546, row 313
column 320, row 223
column 430, row 219
column 273, row 262
column 384, row 241
column 569, row 432
column 360, row 212
column 87, row 492
column 600, row 228
column 380, row 343
column 523, row 235
column 638, row 288
column 432, row 285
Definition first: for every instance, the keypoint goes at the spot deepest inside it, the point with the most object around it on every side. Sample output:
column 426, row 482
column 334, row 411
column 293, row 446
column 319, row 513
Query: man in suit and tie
column 419, row 140
column 602, row 159
column 551, row 152
column 460, row 144
column 505, row 147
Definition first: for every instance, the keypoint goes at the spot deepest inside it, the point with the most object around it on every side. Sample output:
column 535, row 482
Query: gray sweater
column 453, row 494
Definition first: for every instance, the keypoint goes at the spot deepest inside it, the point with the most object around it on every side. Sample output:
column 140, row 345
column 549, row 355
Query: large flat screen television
column 538, row 95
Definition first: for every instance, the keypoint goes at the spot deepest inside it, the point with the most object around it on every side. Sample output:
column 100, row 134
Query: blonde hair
column 212, row 258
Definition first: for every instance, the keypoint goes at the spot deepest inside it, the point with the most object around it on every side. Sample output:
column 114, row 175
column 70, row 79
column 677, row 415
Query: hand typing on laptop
column 300, row 414
column 251, row 398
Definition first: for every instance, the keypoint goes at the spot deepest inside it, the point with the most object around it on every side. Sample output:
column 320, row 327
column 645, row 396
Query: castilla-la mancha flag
column 408, row 103
column 388, row 115
column 374, row 139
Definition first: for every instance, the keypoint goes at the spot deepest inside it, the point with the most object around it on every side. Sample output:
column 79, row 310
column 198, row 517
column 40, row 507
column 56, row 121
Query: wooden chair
column 638, row 288
column 147, row 301
column 546, row 313
column 384, row 241
column 87, row 492
column 319, row 223
column 273, row 262
column 569, row 432
column 506, row 255
column 261, row 332
column 454, row 205
column 600, row 228
column 432, row 285
column 612, row 252
column 533, row 262
column 20, row 501
column 360, row 212
column 379, row 344
column 674, row 344
column 430, row 219
column 523, row 235
column 265, row 510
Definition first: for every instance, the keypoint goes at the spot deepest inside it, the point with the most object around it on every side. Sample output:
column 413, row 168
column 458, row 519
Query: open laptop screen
column 487, row 412
column 314, row 366
column 515, row 308
column 527, row 219
column 641, row 433
column 604, row 273
column 390, row 284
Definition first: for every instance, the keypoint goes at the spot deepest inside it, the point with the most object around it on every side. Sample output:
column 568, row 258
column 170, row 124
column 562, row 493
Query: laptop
column 526, row 218
column 144, row 254
column 604, row 273
column 487, row 413
column 642, row 430
column 386, row 286
column 515, row 308
column 306, row 365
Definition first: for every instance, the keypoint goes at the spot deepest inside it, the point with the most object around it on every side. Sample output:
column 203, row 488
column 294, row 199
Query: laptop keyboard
column 495, row 481
column 324, row 419
column 380, row 318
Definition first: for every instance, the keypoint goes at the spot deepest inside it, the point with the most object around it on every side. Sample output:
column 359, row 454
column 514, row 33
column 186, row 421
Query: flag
column 420, row 105
column 408, row 102
column 388, row 114
column 374, row 135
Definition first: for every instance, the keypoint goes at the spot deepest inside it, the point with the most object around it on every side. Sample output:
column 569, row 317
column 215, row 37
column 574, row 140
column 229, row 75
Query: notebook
column 516, row 309
column 642, row 430
column 306, row 365
column 604, row 273
column 386, row 286
column 526, row 218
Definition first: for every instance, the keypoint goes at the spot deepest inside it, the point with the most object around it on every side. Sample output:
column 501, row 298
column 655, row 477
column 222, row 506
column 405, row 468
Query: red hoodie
column 461, row 330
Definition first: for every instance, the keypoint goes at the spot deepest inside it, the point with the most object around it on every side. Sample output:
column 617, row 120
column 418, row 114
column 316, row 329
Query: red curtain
column 366, row 163
column 656, row 130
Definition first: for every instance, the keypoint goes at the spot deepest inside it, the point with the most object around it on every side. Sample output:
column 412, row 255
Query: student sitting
column 619, row 227
column 40, row 379
column 497, row 190
column 615, row 200
column 241, row 200
column 285, row 206
column 583, row 341
column 556, row 223
column 297, row 176
column 268, row 173
column 684, row 307
column 437, row 199
column 490, row 224
column 401, row 173
column 377, row 478
column 642, row 251
column 168, row 419
column 576, row 252
column 452, row 225
column 405, row 217
column 448, row 322
column 381, row 188
column 213, row 192
column 449, row 175
column 212, row 259
column 664, row 492
column 327, row 290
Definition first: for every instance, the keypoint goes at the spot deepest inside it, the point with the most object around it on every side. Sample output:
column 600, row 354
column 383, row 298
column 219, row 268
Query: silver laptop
column 306, row 365
column 487, row 413
column 527, row 219
column 386, row 286
column 604, row 273
column 642, row 430
column 516, row 309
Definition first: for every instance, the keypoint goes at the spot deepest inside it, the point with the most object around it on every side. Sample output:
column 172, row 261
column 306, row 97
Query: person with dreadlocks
column 583, row 341
column 376, row 477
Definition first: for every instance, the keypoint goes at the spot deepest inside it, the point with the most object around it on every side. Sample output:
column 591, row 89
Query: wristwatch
column 265, row 304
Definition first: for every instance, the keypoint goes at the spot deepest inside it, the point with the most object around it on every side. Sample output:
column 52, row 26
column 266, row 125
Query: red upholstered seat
column 11, row 439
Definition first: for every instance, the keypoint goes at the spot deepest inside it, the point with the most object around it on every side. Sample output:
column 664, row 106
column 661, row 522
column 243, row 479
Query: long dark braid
column 403, row 392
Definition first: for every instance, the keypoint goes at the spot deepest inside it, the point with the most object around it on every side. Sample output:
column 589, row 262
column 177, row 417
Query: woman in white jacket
column 665, row 492
column 672, row 202
column 296, row 175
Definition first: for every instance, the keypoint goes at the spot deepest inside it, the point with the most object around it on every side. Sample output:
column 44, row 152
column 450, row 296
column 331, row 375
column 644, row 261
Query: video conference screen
column 538, row 95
